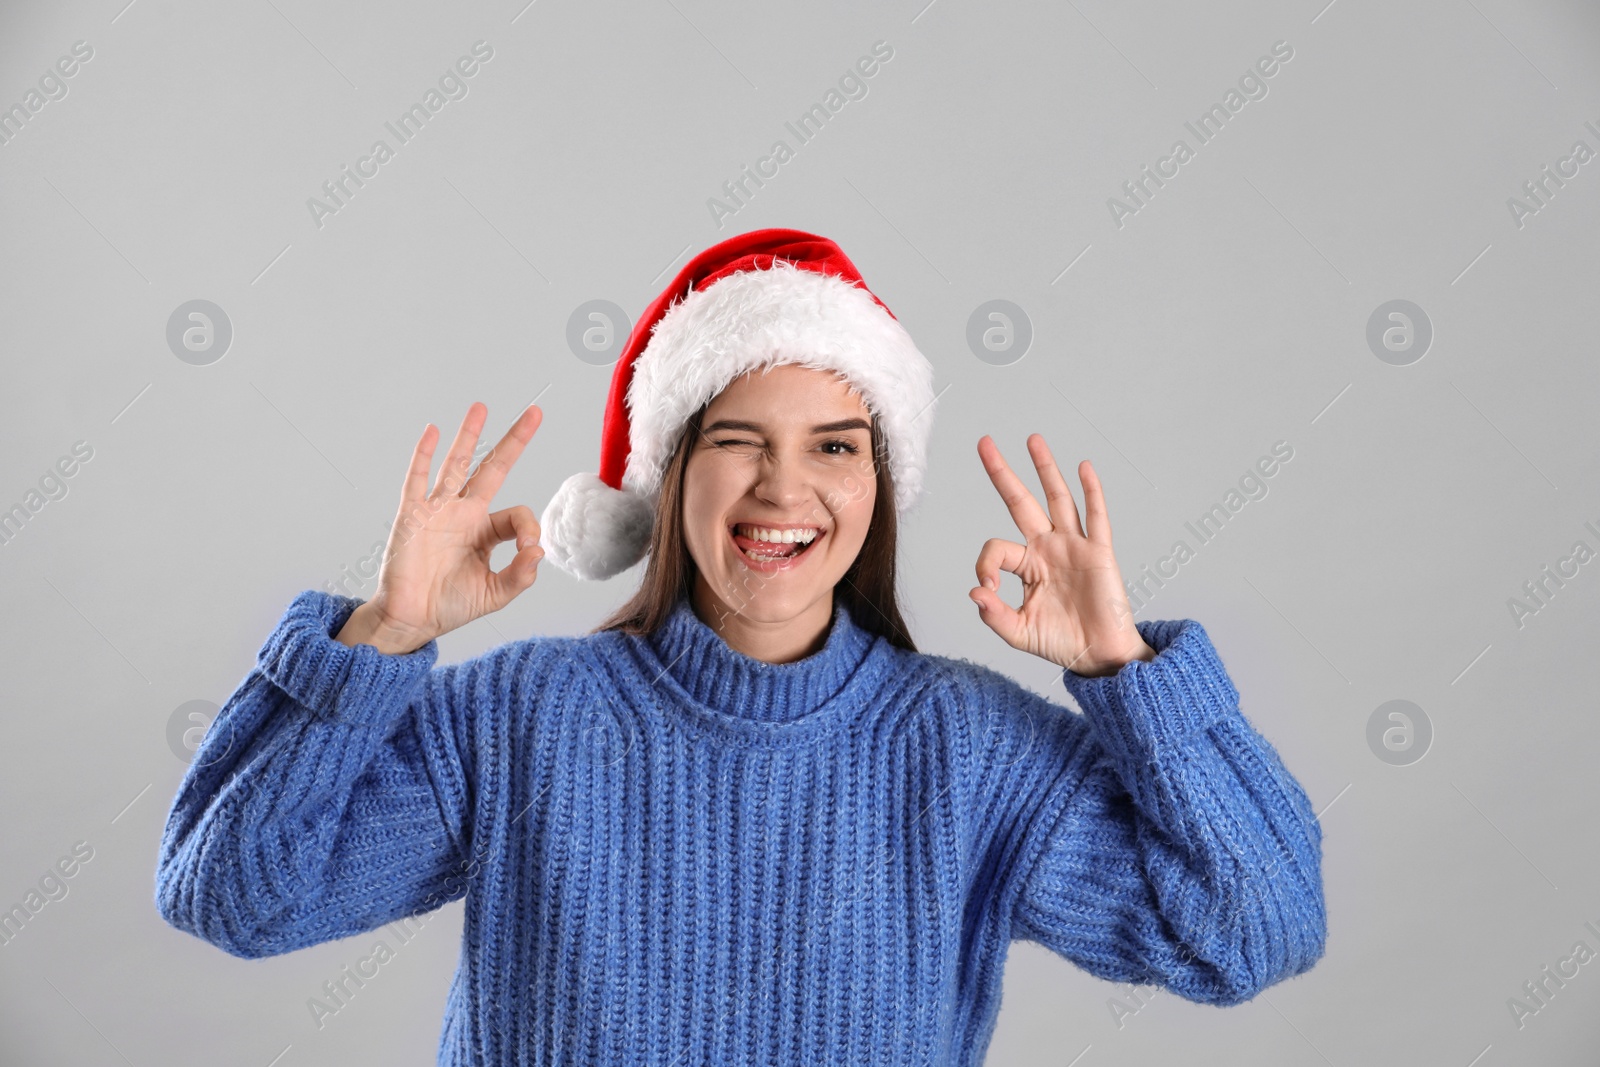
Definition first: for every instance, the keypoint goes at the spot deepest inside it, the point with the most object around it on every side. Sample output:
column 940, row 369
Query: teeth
column 761, row 533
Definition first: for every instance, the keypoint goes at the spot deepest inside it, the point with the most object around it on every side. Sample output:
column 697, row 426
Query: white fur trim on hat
column 754, row 319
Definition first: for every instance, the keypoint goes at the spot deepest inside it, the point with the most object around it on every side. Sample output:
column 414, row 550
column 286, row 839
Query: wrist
column 1115, row 664
column 367, row 626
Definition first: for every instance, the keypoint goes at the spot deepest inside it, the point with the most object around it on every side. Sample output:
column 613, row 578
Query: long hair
column 868, row 588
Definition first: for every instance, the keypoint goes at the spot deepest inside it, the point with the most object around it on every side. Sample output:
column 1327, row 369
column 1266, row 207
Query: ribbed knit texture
column 672, row 853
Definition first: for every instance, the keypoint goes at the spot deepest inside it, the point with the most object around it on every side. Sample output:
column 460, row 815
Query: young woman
column 745, row 820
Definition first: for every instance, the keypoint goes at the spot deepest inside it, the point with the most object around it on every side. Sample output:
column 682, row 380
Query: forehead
column 787, row 394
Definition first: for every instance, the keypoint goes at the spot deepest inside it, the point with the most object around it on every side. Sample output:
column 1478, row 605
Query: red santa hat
column 759, row 299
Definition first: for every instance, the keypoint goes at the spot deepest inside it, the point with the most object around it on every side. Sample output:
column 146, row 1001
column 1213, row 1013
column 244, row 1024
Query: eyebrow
column 754, row 427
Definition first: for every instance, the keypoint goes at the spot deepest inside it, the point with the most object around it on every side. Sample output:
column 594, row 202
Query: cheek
column 851, row 502
column 693, row 505
column 705, row 500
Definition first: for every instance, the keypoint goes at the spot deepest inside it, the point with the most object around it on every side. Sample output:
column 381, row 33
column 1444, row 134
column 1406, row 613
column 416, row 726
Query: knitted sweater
column 672, row 853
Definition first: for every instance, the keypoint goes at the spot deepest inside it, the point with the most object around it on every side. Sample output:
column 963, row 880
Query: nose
column 781, row 480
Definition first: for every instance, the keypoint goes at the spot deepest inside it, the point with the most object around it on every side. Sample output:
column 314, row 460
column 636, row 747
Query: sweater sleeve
column 328, row 797
column 1171, row 846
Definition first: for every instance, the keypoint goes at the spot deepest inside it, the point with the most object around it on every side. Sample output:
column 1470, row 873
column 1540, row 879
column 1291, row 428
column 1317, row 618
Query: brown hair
column 868, row 588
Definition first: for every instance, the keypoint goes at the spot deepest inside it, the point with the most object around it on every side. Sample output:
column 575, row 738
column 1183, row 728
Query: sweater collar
column 716, row 675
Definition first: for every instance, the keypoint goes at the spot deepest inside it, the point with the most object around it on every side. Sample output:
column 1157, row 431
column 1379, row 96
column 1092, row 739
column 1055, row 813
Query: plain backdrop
column 1175, row 341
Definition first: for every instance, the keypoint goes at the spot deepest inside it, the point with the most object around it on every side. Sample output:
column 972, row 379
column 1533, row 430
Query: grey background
column 1229, row 314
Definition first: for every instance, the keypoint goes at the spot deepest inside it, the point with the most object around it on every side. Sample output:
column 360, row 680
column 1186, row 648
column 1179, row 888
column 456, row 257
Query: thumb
column 997, row 614
column 515, row 578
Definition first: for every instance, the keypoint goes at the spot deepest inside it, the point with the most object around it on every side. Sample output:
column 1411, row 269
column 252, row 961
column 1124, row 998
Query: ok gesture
column 1074, row 612
column 435, row 575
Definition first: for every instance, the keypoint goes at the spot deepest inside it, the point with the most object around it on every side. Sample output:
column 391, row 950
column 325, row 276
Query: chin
column 768, row 598
column 771, row 602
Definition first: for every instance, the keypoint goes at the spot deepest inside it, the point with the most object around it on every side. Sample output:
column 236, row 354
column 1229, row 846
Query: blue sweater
column 672, row 853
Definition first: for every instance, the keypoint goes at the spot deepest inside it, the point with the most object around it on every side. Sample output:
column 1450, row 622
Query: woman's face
column 789, row 449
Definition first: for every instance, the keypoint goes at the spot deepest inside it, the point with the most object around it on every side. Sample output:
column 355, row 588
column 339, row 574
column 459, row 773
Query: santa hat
column 755, row 300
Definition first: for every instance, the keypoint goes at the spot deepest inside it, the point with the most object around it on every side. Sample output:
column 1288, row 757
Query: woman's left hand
column 1075, row 612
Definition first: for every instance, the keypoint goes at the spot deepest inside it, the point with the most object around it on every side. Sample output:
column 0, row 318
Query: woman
column 745, row 820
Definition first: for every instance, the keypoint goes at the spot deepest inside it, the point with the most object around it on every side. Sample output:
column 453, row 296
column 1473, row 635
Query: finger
column 1025, row 510
column 1058, row 495
column 453, row 472
column 491, row 473
column 415, row 487
column 995, row 556
column 1094, row 504
column 999, row 616
column 516, row 524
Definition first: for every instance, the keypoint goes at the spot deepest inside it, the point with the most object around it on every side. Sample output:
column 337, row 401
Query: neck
column 771, row 641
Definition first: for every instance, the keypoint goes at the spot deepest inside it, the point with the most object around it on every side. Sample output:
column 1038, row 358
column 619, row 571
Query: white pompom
column 593, row 531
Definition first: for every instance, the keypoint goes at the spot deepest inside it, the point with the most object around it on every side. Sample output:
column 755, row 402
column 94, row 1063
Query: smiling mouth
column 761, row 551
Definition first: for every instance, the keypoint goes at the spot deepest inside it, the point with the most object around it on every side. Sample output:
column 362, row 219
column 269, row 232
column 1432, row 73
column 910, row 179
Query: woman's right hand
column 435, row 575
